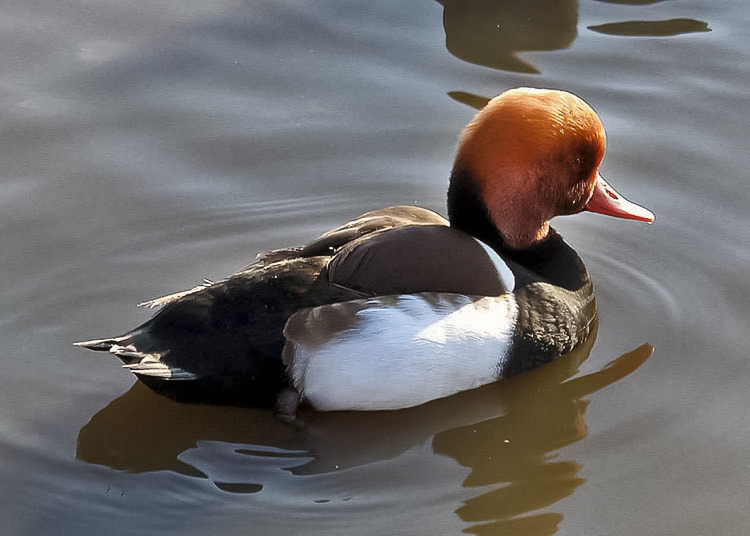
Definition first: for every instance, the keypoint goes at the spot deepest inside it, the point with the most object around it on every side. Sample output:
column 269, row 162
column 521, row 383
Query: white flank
column 399, row 351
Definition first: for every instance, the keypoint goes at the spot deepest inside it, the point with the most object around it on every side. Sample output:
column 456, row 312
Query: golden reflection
column 508, row 435
column 469, row 99
column 142, row 431
column 652, row 28
column 490, row 33
column 516, row 453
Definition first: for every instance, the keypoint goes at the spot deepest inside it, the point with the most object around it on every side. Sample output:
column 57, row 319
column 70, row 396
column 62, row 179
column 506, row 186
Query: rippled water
column 147, row 146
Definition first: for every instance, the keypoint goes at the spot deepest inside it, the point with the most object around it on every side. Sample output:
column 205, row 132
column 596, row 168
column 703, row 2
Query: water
column 147, row 146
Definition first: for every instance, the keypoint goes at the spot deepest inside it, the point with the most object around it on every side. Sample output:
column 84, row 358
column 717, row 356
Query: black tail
column 99, row 345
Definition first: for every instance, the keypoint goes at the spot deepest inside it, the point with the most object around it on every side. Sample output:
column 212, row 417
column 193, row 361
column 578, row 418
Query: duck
column 401, row 306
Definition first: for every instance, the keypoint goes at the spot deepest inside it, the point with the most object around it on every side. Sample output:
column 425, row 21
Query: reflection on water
column 632, row 2
column 652, row 28
column 507, row 434
column 469, row 99
column 146, row 148
column 142, row 431
column 490, row 33
column 544, row 412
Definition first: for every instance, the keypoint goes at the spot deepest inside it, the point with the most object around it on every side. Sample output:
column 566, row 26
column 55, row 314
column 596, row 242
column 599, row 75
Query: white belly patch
column 394, row 352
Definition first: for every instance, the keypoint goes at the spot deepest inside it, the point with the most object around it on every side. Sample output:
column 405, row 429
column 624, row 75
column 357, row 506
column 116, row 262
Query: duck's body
column 399, row 306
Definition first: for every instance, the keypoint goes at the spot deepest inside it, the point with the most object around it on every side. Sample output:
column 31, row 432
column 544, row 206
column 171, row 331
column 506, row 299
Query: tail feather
column 99, row 345
column 164, row 300
column 140, row 363
column 153, row 368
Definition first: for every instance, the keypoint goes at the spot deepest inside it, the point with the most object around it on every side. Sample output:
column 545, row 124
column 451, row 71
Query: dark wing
column 368, row 223
column 416, row 258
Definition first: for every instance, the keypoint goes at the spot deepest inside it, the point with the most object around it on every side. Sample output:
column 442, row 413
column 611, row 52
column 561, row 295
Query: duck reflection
column 506, row 433
column 652, row 28
column 490, row 33
column 469, row 99
column 544, row 411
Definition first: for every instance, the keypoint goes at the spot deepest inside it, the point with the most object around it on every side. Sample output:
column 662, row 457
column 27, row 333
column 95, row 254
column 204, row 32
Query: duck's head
column 527, row 156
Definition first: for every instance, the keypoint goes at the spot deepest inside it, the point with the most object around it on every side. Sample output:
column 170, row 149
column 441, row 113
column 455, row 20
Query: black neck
column 467, row 211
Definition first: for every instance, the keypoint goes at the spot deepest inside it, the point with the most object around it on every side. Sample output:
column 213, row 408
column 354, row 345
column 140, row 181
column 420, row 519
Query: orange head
column 532, row 154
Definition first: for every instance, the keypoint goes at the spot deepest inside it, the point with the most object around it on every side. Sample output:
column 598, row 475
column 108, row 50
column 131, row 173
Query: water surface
column 147, row 147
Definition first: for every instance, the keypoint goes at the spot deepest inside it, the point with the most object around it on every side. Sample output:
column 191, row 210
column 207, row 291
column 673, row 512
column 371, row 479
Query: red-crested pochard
column 401, row 306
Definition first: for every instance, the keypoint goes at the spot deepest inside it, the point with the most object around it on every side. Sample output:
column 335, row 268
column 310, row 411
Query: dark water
column 146, row 146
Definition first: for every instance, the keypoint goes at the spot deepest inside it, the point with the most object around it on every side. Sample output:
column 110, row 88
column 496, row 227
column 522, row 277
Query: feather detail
column 169, row 298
